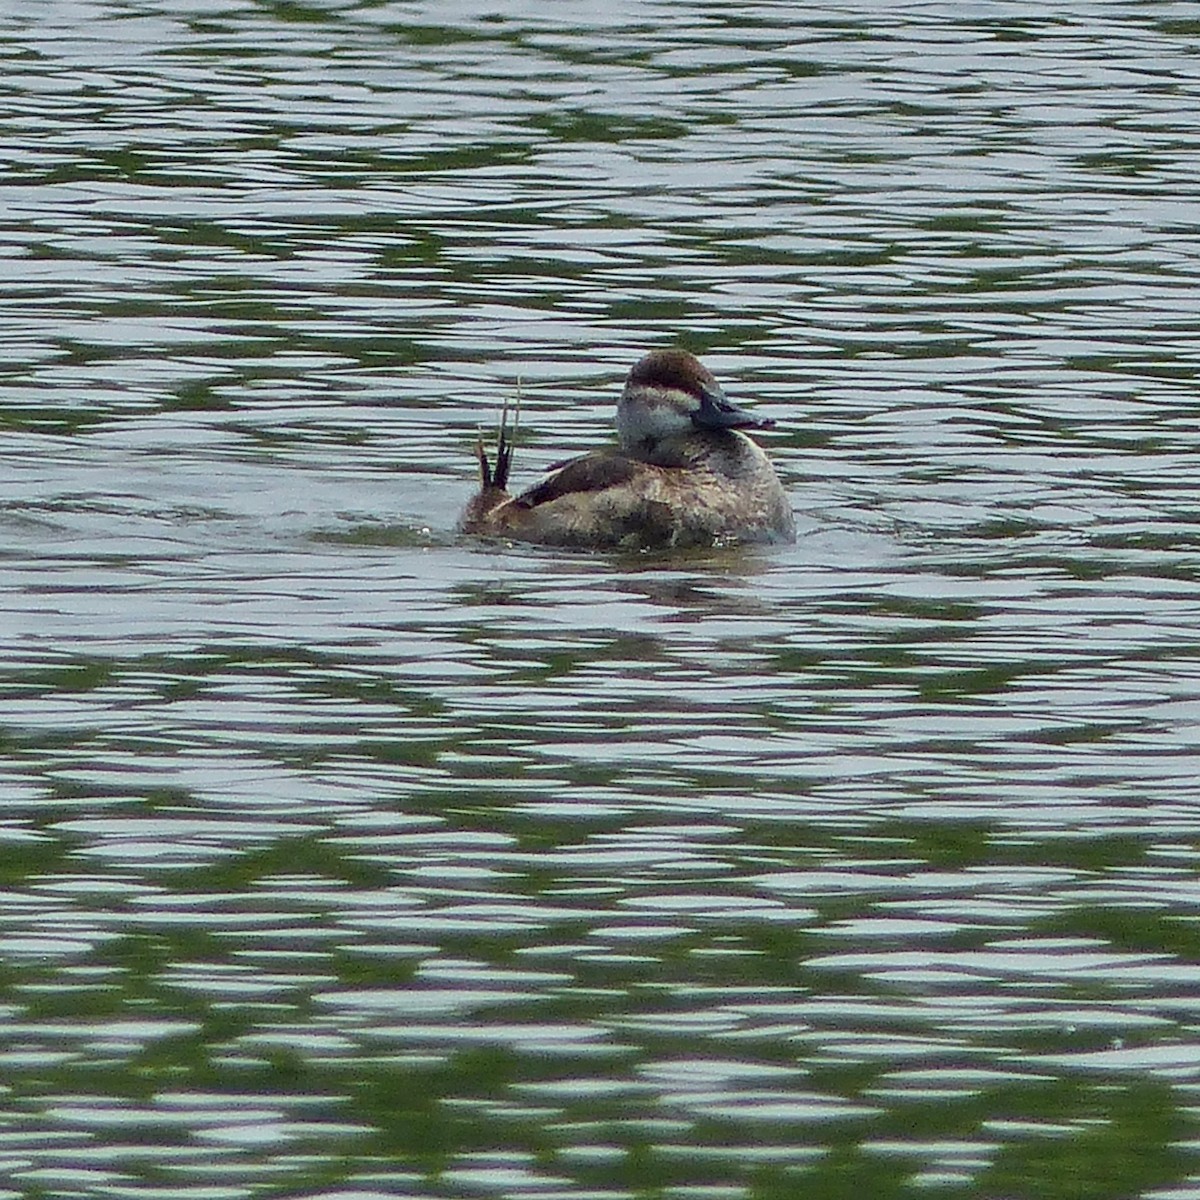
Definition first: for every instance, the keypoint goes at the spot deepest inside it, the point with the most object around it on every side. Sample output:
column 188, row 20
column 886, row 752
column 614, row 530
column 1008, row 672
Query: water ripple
column 345, row 857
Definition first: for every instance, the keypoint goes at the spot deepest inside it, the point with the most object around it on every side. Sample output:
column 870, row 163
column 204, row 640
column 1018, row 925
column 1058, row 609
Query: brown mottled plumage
column 682, row 475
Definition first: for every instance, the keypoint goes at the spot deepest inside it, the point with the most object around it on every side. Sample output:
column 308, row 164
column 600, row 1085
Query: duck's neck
column 680, row 449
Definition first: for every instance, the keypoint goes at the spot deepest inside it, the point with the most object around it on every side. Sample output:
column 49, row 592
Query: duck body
column 683, row 475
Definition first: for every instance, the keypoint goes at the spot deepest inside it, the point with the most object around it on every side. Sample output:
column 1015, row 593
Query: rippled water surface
column 347, row 858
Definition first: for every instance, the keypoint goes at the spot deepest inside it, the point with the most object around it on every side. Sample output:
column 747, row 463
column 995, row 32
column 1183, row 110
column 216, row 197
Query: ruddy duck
column 683, row 475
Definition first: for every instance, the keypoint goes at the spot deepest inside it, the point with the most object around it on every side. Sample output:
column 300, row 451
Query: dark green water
column 346, row 859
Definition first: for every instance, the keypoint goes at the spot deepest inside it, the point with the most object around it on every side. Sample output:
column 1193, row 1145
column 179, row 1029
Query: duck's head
column 670, row 392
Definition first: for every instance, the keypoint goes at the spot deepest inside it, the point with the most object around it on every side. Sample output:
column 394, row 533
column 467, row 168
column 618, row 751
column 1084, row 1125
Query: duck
column 684, row 474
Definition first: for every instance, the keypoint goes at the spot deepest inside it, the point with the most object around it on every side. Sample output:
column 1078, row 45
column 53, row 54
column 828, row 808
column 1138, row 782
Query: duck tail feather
column 495, row 475
column 485, row 467
column 505, row 444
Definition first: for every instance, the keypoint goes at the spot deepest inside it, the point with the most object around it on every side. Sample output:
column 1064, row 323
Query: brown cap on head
column 672, row 368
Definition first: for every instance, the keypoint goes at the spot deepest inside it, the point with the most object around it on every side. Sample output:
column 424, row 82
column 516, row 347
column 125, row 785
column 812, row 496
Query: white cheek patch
column 654, row 414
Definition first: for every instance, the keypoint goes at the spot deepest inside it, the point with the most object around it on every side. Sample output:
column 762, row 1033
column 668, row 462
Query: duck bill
column 716, row 412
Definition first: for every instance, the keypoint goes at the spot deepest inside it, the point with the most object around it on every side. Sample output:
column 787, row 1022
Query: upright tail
column 480, row 514
column 497, row 476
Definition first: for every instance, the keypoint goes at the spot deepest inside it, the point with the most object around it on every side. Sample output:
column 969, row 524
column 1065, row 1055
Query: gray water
column 343, row 857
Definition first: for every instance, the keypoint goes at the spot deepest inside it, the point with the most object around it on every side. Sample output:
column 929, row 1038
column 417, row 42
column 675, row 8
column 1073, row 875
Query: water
column 345, row 858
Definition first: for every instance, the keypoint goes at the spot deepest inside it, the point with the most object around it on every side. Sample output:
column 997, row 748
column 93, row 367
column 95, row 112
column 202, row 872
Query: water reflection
column 344, row 857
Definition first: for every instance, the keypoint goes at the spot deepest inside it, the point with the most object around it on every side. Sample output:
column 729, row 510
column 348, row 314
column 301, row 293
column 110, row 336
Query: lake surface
column 344, row 857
